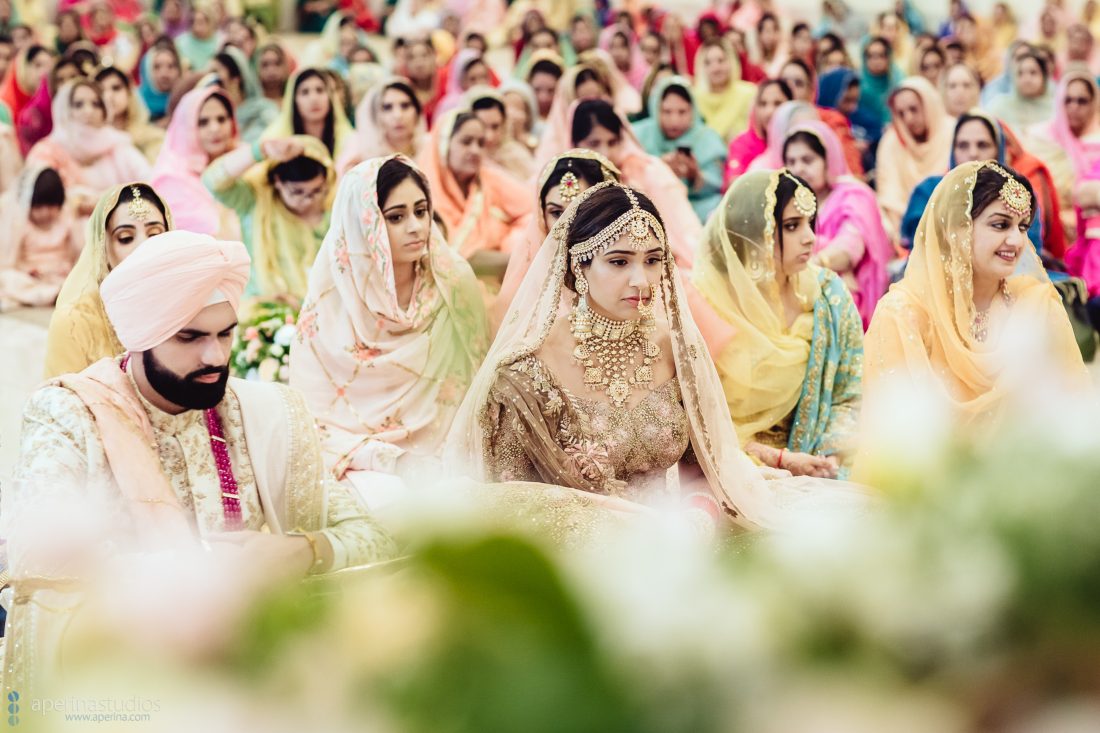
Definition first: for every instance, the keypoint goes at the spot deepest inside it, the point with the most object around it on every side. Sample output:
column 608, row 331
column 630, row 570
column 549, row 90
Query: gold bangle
column 318, row 559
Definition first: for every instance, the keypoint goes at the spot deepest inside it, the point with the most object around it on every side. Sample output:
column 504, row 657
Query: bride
column 600, row 382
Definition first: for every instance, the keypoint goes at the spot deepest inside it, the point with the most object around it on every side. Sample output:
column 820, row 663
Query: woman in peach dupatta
column 903, row 160
column 391, row 331
column 90, row 155
column 483, row 209
column 943, row 325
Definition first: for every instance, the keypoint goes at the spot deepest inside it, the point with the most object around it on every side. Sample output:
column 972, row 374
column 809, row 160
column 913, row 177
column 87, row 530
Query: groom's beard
column 185, row 391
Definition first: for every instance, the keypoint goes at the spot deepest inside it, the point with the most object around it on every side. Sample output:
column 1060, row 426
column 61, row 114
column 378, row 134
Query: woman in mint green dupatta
column 254, row 111
column 676, row 133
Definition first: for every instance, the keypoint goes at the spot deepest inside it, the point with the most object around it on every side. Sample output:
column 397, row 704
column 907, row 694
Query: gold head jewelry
column 636, row 223
column 804, row 200
column 138, row 208
column 569, row 187
column 1014, row 195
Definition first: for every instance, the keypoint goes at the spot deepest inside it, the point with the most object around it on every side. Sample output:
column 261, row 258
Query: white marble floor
column 22, row 352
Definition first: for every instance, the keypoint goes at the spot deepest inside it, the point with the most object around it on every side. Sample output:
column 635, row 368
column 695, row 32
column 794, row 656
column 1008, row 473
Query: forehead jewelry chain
column 138, row 208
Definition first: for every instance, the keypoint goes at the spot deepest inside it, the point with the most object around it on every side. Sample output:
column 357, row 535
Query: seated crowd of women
column 646, row 265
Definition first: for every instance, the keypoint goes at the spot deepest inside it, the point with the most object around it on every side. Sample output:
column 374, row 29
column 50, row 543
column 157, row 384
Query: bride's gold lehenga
column 568, row 463
column 539, row 431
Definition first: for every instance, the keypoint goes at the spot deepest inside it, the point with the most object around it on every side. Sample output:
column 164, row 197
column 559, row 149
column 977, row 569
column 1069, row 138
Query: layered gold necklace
column 617, row 356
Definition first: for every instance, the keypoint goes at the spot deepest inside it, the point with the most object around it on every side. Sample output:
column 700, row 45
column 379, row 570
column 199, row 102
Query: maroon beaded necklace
column 231, row 497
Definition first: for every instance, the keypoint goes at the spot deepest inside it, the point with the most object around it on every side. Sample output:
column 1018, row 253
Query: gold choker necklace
column 610, row 351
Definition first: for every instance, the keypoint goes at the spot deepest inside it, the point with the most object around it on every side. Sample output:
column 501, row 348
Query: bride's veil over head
column 738, row 485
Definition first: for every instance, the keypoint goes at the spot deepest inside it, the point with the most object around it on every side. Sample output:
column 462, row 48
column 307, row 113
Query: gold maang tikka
column 804, row 200
column 1014, row 195
column 138, row 208
column 569, row 187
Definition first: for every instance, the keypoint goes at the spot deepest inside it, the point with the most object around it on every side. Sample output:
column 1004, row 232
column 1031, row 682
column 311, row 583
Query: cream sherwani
column 275, row 459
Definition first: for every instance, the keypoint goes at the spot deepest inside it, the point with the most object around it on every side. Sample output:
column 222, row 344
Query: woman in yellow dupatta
column 311, row 106
column 972, row 278
column 721, row 95
column 283, row 241
column 80, row 333
column 791, row 372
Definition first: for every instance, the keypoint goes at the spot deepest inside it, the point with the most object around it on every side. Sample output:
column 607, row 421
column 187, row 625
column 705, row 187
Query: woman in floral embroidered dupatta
column 383, row 375
column 674, row 447
column 941, row 325
column 791, row 374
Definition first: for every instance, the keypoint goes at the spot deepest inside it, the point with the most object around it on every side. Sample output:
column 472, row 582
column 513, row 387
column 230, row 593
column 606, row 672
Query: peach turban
column 158, row 289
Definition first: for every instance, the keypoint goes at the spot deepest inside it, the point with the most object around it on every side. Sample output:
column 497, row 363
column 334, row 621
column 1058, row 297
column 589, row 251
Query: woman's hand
column 803, row 464
column 690, row 167
column 281, row 150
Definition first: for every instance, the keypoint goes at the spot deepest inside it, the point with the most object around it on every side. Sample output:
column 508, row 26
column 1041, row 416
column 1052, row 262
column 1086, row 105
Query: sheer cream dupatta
column 747, row 497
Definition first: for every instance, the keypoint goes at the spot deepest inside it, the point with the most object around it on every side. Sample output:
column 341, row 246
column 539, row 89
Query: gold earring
column 581, row 284
column 580, row 320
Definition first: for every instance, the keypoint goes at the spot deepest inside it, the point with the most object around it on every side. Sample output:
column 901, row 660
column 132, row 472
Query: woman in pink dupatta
column 753, row 142
column 579, row 82
column 186, row 153
column 1070, row 146
column 90, row 155
column 622, row 46
column 851, row 240
column 782, row 122
column 1077, row 134
column 468, row 70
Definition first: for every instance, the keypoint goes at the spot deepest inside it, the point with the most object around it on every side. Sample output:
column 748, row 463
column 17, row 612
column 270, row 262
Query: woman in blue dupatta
column 160, row 70
column 792, row 373
column 878, row 77
column 978, row 136
column 675, row 133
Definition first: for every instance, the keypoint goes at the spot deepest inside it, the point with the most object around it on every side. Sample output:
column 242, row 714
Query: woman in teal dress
column 675, row 133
